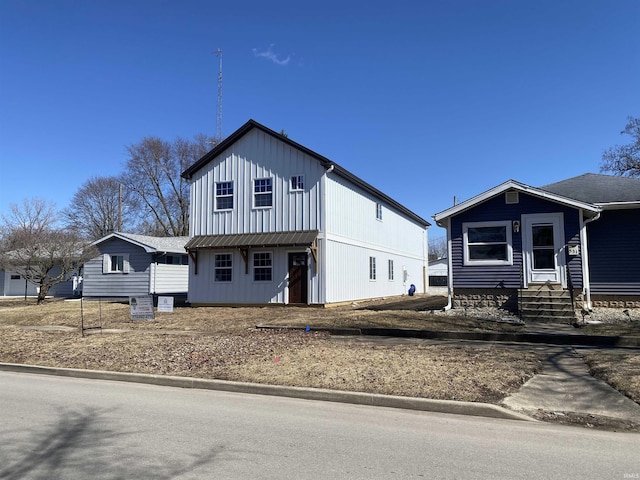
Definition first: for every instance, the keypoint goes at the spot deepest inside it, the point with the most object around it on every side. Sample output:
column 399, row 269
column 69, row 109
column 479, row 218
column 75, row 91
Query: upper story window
column 263, row 192
column 223, row 267
column 379, row 211
column 297, row 182
column 224, row 195
column 487, row 243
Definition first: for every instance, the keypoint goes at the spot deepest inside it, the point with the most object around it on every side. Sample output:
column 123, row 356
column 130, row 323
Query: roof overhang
column 618, row 205
column 147, row 248
column 253, row 240
column 589, row 209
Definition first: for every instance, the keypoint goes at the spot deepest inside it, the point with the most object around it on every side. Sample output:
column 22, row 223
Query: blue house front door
column 543, row 248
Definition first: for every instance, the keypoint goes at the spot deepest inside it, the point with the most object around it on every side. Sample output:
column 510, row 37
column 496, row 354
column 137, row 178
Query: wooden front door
column 298, row 278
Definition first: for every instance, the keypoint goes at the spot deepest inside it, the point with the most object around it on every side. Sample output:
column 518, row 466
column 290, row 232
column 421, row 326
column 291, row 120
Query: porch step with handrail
column 546, row 302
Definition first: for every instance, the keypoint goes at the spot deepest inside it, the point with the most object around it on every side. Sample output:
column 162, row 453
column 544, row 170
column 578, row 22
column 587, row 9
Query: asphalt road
column 55, row 427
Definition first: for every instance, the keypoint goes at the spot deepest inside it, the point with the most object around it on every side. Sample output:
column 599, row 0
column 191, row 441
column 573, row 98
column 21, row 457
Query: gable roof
column 513, row 185
column 325, row 162
column 148, row 243
column 598, row 189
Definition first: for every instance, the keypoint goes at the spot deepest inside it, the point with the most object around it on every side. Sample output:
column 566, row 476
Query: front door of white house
column 543, row 248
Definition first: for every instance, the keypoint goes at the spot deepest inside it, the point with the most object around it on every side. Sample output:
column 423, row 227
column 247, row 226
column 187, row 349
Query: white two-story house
column 274, row 222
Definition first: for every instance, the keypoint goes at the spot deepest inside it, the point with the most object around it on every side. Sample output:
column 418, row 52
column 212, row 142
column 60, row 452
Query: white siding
column 169, row 278
column 354, row 234
column 243, row 289
column 257, row 155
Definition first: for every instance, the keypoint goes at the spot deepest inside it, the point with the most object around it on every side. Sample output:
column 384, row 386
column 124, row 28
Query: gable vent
column 511, row 197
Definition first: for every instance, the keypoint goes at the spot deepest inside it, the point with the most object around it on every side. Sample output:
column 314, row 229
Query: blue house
column 548, row 251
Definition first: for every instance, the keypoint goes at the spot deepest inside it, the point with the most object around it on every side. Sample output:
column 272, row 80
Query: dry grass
column 621, row 370
column 483, row 374
column 390, row 313
column 222, row 343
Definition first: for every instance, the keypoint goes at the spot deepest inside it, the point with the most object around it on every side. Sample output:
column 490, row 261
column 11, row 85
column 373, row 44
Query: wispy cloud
column 269, row 54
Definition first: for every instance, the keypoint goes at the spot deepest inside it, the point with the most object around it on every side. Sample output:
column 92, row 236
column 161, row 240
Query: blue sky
column 423, row 99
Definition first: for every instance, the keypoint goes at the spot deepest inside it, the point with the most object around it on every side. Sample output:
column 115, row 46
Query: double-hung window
column 263, row 192
column 224, row 195
column 487, row 243
column 223, row 267
column 379, row 211
column 262, row 267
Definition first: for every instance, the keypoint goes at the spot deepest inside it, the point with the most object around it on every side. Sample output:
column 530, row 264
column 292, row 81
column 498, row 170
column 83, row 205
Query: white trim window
column 224, row 195
column 115, row 263
column 378, row 211
column 372, row 268
column 487, row 243
column 263, row 192
column 223, row 270
column 297, row 183
column 262, row 267
column 391, row 270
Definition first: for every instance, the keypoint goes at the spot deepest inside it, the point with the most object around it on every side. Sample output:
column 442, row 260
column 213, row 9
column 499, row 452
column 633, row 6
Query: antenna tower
column 219, row 116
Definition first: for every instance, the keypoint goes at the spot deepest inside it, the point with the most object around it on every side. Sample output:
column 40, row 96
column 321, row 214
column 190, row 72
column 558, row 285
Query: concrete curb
column 357, row 398
column 546, row 338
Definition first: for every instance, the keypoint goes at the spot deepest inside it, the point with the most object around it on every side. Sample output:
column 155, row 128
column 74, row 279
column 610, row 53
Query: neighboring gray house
column 274, row 222
column 13, row 284
column 546, row 251
column 130, row 265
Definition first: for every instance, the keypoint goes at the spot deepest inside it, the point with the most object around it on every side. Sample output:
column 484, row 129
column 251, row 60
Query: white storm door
column 543, row 252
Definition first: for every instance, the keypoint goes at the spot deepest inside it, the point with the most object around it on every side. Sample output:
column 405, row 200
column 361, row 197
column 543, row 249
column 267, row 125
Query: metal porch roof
column 253, row 240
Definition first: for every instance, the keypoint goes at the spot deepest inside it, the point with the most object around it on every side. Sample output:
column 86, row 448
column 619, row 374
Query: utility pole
column 219, row 116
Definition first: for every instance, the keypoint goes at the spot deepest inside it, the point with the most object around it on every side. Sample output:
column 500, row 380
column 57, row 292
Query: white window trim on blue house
column 468, row 261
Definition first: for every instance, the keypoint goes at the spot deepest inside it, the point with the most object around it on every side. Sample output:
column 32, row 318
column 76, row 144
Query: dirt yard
column 223, row 343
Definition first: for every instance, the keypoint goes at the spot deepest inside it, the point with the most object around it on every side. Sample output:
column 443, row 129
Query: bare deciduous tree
column 34, row 247
column 95, row 208
column 437, row 248
column 153, row 176
column 624, row 159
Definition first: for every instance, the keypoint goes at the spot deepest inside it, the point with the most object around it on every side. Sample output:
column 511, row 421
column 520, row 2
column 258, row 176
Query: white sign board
column 165, row 304
column 142, row 308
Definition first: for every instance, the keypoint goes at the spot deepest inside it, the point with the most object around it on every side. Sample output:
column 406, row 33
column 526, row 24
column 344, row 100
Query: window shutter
column 125, row 266
column 105, row 263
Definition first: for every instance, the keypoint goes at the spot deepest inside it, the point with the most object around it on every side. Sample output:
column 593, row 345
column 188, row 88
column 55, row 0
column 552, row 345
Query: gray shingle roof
column 157, row 244
column 597, row 189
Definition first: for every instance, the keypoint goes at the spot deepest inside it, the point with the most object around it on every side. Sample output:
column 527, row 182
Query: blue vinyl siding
column 509, row 276
column 614, row 256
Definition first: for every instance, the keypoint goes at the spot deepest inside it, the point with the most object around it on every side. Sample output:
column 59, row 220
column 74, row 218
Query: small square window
column 263, row 192
column 117, row 263
column 297, row 182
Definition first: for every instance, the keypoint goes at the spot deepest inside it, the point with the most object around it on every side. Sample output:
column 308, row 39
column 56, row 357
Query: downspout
column 449, row 304
column 586, row 280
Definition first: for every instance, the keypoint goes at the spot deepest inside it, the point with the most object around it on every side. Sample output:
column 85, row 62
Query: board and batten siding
column 354, row 234
column 242, row 288
column 99, row 284
column 614, row 252
column 257, row 155
column 509, row 276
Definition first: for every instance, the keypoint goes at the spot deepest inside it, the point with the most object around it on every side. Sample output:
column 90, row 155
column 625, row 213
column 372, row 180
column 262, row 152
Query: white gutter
column 586, row 281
